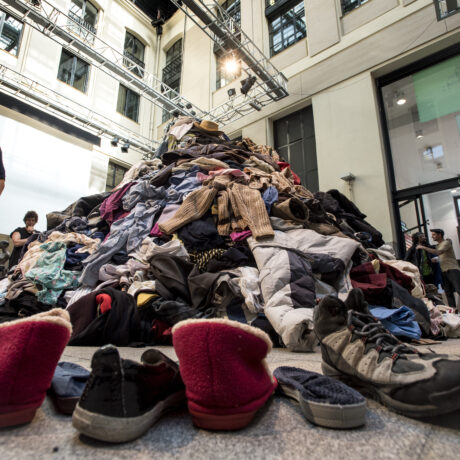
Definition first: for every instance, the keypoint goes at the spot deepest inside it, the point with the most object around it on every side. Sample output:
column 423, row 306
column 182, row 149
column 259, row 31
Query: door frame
column 412, row 192
column 457, row 213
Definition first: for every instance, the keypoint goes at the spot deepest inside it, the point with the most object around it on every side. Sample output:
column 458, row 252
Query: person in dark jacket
column 421, row 258
column 20, row 236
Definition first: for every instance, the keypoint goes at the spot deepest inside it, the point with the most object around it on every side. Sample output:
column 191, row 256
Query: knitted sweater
column 246, row 204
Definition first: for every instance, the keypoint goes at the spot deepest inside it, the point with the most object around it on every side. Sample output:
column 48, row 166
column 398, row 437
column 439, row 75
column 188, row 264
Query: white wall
column 348, row 141
column 44, row 172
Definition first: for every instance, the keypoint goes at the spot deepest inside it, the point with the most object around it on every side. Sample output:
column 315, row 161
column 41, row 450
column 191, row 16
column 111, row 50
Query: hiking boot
column 123, row 399
column 358, row 350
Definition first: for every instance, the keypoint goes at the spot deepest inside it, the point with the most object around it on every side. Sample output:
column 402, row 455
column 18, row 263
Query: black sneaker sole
column 451, row 398
column 123, row 429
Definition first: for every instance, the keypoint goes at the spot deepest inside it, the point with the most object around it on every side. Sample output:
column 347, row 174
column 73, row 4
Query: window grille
column 286, row 27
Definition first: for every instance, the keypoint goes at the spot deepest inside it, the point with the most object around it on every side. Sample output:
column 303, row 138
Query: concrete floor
column 279, row 431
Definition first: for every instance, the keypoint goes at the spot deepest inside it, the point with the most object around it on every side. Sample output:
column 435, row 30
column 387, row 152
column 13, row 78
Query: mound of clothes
column 209, row 228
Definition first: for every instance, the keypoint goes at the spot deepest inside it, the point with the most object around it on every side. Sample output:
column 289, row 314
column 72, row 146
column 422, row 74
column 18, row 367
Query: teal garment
column 49, row 273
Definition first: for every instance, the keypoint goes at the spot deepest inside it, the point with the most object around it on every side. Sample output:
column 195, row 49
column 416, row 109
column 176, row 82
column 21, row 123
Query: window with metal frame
column 10, row 33
column 128, row 103
column 85, row 14
column 350, row 5
column 446, row 8
column 286, row 25
column 172, row 70
column 295, row 142
column 233, row 9
column 73, row 71
column 134, row 49
column 115, row 174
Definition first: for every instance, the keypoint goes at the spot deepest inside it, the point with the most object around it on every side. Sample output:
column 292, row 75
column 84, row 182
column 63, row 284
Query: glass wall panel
column 423, row 118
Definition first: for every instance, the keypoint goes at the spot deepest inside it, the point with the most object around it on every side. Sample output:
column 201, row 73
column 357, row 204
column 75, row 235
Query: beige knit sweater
column 246, row 204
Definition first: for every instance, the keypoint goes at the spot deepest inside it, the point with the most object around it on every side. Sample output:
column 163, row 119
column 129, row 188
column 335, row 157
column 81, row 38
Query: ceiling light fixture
column 125, row 147
column 400, row 98
column 419, row 134
column 246, row 84
column 255, row 105
column 114, row 141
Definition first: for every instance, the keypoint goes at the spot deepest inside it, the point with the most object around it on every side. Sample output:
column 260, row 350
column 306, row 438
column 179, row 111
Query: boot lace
column 372, row 330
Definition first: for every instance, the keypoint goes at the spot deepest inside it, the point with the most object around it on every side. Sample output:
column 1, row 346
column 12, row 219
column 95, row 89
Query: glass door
column 413, row 218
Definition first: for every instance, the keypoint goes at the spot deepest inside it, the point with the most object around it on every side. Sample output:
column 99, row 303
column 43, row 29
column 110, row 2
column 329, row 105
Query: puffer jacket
column 289, row 264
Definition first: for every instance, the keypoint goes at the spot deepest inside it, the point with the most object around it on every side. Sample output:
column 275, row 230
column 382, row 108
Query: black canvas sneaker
column 123, row 399
column 359, row 351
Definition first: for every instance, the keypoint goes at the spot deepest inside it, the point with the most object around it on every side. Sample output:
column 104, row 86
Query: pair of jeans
column 127, row 233
column 451, row 284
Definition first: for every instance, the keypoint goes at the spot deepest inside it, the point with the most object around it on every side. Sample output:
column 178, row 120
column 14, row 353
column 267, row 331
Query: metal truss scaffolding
column 43, row 98
column 70, row 34
column 270, row 85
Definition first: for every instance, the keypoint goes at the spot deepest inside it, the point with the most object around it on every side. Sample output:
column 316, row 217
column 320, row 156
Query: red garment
column 374, row 284
column 162, row 332
column 396, row 275
column 111, row 208
column 284, row 165
column 105, row 302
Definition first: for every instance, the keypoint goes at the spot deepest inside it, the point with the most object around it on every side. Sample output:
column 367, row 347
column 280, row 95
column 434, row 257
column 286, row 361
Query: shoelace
column 370, row 329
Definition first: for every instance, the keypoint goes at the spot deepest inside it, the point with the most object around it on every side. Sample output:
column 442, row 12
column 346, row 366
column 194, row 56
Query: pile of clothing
column 210, row 228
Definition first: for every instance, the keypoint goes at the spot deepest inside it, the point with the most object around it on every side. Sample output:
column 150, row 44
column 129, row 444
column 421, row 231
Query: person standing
column 2, row 173
column 449, row 265
column 20, row 236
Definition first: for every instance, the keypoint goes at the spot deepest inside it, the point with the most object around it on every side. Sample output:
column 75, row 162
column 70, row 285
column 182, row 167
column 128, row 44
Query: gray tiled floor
column 278, row 431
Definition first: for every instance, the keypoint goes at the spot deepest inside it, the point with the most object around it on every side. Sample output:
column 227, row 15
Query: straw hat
column 208, row 127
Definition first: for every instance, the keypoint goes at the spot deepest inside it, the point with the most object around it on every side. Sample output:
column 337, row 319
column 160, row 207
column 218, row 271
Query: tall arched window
column 172, row 70
column 134, row 50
